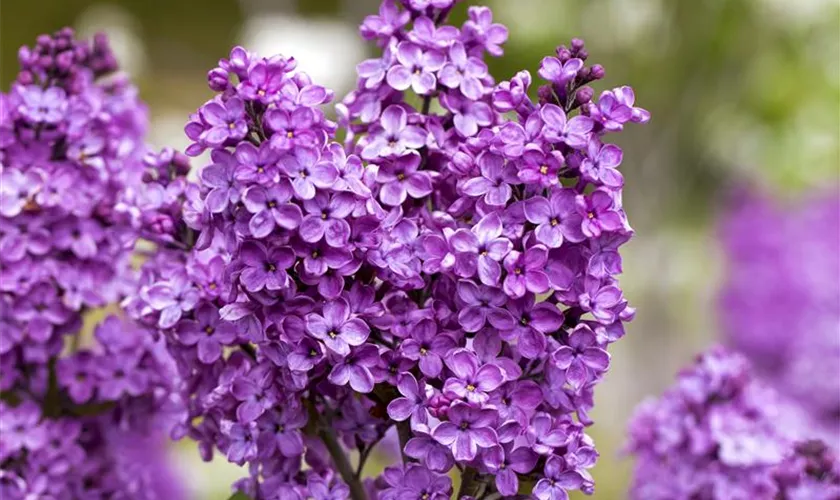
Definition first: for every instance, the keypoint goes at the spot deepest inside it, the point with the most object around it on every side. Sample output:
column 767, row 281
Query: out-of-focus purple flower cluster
column 447, row 272
column 780, row 305
column 79, row 417
column 719, row 433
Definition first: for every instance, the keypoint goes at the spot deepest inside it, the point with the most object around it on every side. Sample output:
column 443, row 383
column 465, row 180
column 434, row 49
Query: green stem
column 468, row 483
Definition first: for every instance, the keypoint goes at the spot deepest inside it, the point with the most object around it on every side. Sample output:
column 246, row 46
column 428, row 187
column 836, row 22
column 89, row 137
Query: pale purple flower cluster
column 75, row 408
column 780, row 303
column 447, row 273
column 719, row 433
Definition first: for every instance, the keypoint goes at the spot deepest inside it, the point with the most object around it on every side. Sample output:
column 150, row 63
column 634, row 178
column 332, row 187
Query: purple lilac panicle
column 720, row 433
column 780, row 304
column 80, row 418
column 388, row 283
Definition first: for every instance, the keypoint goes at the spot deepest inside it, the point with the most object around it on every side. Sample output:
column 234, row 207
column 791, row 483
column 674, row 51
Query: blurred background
column 742, row 92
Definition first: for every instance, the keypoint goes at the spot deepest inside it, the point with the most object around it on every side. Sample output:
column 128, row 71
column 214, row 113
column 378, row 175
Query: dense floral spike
column 784, row 260
column 80, row 417
column 721, row 434
column 446, row 273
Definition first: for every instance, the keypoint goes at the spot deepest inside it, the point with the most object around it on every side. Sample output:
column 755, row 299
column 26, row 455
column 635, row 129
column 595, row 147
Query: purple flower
column 172, row 298
column 480, row 28
column 506, row 463
column 308, row 173
column 424, row 448
column 598, row 213
column 256, row 165
column 494, row 182
column 326, row 218
column 516, row 401
column 219, row 176
column 544, row 436
column 241, row 441
column 120, row 376
column 615, row 108
column 525, row 271
column 336, row 328
column 582, row 358
column 42, row 105
column 483, row 304
column 468, row 115
column 560, row 73
column 467, row 430
column 354, row 368
column 557, row 218
column 81, row 236
column 416, row 68
column 400, row 179
column 600, row 164
column 293, row 131
column 396, row 135
column 280, row 430
column 319, row 258
column 264, row 268
column 226, row 121
column 207, row 332
column 271, row 208
column 21, row 429
column 16, row 188
column 255, row 393
column 422, row 484
column 573, row 133
column 464, row 72
column 411, row 404
column 541, row 169
column 78, row 375
column 472, row 381
column 390, row 20
column 428, row 347
column 482, row 248
column 531, row 324
column 264, row 81
column 557, row 481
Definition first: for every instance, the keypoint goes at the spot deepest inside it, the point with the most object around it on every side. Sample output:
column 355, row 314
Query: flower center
column 470, row 387
column 231, row 126
column 544, row 169
column 261, row 92
column 313, row 353
column 209, row 330
column 270, row 267
column 554, row 222
column 591, row 215
column 464, row 425
column 518, row 270
column 324, row 215
column 332, row 334
column 260, row 170
column 290, row 134
column 400, row 177
column 423, row 351
column 271, row 204
column 315, row 254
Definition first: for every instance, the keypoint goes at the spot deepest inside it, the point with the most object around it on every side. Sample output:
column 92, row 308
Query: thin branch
column 326, row 433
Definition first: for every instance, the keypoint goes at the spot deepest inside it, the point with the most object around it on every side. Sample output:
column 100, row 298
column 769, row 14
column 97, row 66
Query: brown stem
column 342, row 463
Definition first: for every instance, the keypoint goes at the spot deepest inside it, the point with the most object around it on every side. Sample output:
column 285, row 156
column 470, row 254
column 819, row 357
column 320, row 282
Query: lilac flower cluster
column 446, row 273
column 720, row 433
column 78, row 413
column 780, row 304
